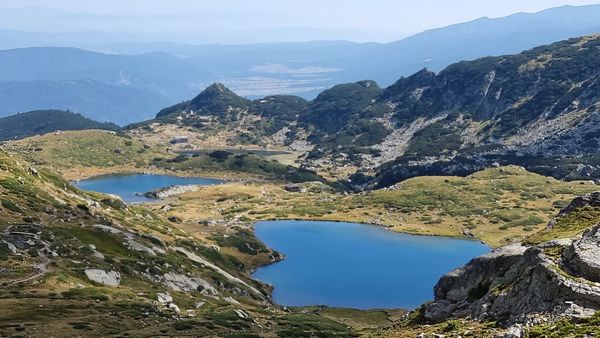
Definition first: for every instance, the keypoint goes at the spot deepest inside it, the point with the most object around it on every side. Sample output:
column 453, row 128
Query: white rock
column 164, row 298
column 110, row 278
column 174, row 307
column 241, row 314
column 179, row 282
column 512, row 332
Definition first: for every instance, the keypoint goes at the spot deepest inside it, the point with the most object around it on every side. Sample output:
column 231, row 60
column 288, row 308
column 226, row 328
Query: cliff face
column 536, row 109
column 522, row 285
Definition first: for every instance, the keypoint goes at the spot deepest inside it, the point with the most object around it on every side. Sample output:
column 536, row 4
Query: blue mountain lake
column 331, row 263
column 356, row 265
column 126, row 186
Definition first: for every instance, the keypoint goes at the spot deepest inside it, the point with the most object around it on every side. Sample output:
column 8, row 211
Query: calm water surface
column 126, row 186
column 356, row 265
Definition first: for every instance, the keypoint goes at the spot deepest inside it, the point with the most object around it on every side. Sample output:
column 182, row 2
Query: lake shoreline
column 226, row 180
column 133, row 188
column 400, row 251
column 409, row 238
column 377, row 225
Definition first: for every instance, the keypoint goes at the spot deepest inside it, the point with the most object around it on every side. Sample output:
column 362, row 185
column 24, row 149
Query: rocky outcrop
column 110, row 278
column 584, row 256
column 589, row 200
column 523, row 284
column 164, row 298
column 180, row 282
column 472, row 281
column 170, row 191
column 133, row 240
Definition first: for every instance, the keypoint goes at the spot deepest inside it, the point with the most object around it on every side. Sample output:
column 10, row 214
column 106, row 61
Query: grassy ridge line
column 46, row 121
column 83, row 154
column 74, row 153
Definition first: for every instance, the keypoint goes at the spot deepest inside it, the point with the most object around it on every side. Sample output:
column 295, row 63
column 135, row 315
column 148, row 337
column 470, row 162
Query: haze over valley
column 126, row 79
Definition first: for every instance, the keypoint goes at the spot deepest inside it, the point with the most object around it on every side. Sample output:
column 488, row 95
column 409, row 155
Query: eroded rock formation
column 522, row 285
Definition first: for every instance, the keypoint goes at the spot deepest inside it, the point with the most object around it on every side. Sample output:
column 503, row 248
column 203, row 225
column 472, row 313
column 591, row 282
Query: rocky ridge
column 538, row 109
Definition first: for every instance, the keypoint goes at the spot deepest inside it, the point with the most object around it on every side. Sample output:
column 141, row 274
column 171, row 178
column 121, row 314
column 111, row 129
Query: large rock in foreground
column 522, row 285
column 584, row 256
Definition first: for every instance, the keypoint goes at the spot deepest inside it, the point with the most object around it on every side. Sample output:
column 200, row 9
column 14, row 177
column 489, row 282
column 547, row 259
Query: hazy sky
column 265, row 20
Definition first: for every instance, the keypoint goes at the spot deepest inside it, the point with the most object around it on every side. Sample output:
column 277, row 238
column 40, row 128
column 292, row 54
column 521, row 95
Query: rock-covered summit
column 215, row 99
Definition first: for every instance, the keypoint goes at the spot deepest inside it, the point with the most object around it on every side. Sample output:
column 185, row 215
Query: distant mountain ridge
column 167, row 73
column 117, row 88
column 160, row 73
column 97, row 100
column 437, row 48
column 539, row 109
column 46, row 121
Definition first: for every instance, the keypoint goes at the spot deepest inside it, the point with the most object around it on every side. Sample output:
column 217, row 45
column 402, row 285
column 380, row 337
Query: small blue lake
column 356, row 265
column 126, row 186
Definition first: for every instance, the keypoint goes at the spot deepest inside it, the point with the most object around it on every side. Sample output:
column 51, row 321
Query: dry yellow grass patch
column 498, row 206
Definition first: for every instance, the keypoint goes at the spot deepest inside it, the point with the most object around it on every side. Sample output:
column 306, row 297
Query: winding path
column 40, row 268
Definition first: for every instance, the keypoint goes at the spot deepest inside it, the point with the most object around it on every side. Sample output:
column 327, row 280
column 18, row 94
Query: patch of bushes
column 4, row 250
column 11, row 206
column 244, row 241
column 85, row 294
column 438, row 138
column 220, row 155
column 303, row 325
column 228, row 319
column 568, row 226
column 80, row 325
column 568, row 327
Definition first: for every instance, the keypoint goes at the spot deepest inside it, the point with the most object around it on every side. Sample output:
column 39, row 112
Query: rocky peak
column 344, row 91
column 217, row 96
column 334, row 108
column 368, row 84
column 406, row 85
column 216, row 99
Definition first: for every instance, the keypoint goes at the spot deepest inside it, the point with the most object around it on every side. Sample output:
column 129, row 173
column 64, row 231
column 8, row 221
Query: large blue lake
column 126, row 186
column 356, row 265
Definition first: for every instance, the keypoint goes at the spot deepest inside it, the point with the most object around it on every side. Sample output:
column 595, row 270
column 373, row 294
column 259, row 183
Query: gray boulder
column 180, row 282
column 110, row 278
column 583, row 255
